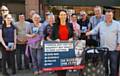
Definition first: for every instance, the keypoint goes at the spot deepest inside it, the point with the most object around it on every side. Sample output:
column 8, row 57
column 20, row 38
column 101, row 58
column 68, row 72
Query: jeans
column 19, row 52
column 114, row 60
column 36, row 55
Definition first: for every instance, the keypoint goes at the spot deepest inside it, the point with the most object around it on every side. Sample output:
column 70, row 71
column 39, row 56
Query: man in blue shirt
column 109, row 32
column 94, row 20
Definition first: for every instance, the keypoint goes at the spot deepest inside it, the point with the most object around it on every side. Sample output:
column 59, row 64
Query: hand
column 58, row 40
column 14, row 47
column 87, row 33
column 118, row 48
column 7, row 48
column 71, row 39
column 34, row 35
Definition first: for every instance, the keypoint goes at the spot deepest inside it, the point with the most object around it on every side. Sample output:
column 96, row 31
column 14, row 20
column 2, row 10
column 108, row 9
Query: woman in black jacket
column 62, row 31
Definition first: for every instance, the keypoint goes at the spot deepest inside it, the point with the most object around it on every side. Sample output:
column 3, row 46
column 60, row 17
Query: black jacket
column 55, row 31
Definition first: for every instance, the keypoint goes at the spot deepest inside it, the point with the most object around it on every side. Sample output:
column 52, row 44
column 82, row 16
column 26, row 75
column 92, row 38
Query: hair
column 98, row 7
column 50, row 16
column 4, row 23
column 74, row 14
column 35, row 16
column 109, row 10
column 58, row 19
column 21, row 14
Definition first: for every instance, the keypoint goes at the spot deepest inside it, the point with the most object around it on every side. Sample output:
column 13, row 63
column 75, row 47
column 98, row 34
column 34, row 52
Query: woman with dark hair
column 8, row 40
column 62, row 31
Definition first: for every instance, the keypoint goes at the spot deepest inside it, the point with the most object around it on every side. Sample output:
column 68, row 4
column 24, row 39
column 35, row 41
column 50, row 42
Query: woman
column 8, row 40
column 49, row 27
column 35, row 35
column 62, row 31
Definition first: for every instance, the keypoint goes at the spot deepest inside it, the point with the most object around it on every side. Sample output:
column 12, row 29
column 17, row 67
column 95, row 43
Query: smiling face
column 21, row 18
column 51, row 19
column 8, row 18
column 74, row 18
column 108, row 16
column 97, row 11
column 62, row 16
column 36, row 19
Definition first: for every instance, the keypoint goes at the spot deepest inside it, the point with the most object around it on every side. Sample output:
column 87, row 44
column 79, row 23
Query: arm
column 29, row 31
column 118, row 35
column 2, row 41
column 15, row 37
column 93, row 31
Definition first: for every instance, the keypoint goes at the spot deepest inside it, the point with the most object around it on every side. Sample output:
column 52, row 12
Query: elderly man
column 109, row 32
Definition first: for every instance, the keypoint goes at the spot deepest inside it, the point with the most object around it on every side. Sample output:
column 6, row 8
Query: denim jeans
column 114, row 60
column 36, row 55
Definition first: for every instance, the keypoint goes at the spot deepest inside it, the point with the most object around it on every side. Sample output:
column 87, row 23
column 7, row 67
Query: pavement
column 29, row 73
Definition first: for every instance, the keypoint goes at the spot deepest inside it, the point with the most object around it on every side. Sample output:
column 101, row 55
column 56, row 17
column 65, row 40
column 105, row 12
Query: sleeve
column 95, row 30
column 71, row 30
column 0, row 27
column 54, row 34
column 118, row 33
column 29, row 28
column 90, row 22
column 45, row 33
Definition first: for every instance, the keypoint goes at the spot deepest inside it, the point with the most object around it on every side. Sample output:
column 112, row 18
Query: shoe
column 27, row 68
column 40, row 72
column 20, row 69
column 36, row 73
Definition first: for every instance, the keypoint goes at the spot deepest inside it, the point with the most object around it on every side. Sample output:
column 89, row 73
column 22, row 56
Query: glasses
column 4, row 10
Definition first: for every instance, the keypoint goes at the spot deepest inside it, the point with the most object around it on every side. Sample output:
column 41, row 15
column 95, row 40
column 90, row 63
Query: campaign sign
column 60, row 56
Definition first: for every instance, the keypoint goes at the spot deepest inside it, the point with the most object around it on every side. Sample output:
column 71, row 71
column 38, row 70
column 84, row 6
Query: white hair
column 51, row 15
column 36, row 15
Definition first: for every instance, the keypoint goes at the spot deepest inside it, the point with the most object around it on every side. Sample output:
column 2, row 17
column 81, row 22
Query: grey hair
column 51, row 15
column 36, row 15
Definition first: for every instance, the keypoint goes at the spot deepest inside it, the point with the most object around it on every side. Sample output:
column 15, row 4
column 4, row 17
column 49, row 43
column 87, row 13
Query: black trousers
column 19, row 52
column 61, row 73
column 8, row 57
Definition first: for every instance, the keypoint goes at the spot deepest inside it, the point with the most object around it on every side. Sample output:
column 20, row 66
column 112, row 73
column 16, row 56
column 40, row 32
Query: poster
column 62, row 55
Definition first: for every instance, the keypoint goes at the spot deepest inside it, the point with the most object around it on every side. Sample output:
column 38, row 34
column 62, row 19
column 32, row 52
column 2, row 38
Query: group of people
column 26, row 36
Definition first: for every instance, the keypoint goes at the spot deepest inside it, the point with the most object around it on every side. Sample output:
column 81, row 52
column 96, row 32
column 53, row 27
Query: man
column 32, row 12
column 94, row 20
column 83, row 22
column 21, row 26
column 109, row 32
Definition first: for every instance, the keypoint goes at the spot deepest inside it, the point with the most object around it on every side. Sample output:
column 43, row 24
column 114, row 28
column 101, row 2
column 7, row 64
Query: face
column 21, row 18
column 8, row 19
column 83, row 16
column 74, row 18
column 4, row 10
column 51, row 19
column 97, row 11
column 63, row 16
column 109, row 16
column 36, row 19
column 32, row 12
